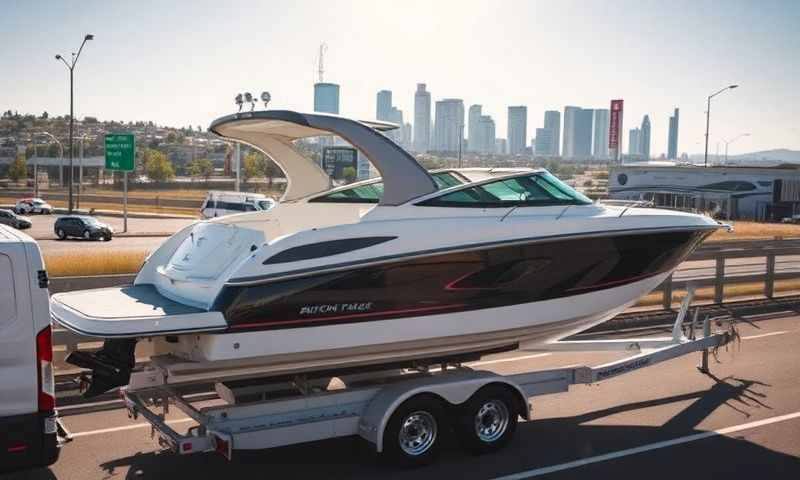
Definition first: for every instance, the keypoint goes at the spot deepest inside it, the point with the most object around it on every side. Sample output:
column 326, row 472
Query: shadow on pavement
column 537, row 444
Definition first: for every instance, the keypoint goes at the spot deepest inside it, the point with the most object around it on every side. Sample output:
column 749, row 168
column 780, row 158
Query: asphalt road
column 665, row 421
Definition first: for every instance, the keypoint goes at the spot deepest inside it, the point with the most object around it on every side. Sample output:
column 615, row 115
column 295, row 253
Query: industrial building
column 728, row 192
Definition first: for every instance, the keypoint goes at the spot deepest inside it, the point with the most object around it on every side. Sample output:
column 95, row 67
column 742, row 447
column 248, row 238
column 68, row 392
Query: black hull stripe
column 272, row 277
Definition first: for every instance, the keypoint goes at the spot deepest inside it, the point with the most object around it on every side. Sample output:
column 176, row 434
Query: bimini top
column 273, row 132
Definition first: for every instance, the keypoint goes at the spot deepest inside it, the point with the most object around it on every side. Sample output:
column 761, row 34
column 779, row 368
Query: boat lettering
column 327, row 308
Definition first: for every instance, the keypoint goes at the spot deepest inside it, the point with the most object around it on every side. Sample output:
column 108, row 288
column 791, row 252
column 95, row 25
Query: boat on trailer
column 416, row 267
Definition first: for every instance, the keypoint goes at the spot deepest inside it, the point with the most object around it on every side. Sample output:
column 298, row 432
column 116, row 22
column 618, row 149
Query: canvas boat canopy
column 274, row 131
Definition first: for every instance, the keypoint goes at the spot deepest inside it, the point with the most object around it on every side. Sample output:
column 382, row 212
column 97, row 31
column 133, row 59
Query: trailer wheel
column 413, row 434
column 487, row 421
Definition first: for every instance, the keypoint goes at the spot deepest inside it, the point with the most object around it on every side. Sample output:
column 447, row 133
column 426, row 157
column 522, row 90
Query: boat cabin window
column 372, row 192
column 539, row 189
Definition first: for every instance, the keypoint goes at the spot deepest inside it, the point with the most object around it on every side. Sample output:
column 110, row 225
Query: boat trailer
column 258, row 413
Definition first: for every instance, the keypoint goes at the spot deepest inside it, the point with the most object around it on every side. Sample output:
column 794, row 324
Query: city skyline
column 155, row 66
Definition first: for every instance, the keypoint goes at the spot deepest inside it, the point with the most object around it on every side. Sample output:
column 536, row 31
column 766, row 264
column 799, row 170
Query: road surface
column 667, row 421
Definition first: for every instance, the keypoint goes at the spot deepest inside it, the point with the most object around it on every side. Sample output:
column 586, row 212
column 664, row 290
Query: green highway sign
column 120, row 151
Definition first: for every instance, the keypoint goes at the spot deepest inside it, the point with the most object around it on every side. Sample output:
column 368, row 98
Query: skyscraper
column 644, row 138
column 633, row 142
column 384, row 105
column 486, row 135
column 601, row 119
column 545, row 142
column 422, row 119
column 448, row 125
column 672, row 141
column 474, row 142
column 326, row 97
column 517, row 129
column 552, row 122
column 577, row 132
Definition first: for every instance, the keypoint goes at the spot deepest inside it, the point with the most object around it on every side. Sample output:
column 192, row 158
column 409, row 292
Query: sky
column 181, row 63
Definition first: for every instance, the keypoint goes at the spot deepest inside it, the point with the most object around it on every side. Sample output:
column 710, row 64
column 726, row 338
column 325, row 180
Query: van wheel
column 60, row 234
column 413, row 434
column 487, row 421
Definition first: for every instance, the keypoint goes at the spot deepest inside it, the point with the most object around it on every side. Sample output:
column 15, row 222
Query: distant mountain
column 765, row 157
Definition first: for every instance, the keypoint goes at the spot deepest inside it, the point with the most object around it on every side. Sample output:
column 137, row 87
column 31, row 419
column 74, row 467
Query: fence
column 715, row 254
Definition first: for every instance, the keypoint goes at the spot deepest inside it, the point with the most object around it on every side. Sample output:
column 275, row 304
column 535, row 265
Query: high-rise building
column 672, row 141
column 384, row 105
column 552, row 122
column 448, row 127
column 577, row 132
column 405, row 134
column 500, row 146
column 517, row 129
column 633, row 142
column 326, row 98
column 545, row 142
column 473, row 142
column 601, row 124
column 422, row 119
column 486, row 134
column 644, row 138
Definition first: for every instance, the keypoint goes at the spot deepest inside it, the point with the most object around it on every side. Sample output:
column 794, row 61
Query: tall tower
column 517, row 129
column 552, row 122
column 422, row 119
column 600, row 147
column 384, row 105
column 475, row 142
column 672, row 141
column 326, row 95
column 448, row 125
column 644, row 138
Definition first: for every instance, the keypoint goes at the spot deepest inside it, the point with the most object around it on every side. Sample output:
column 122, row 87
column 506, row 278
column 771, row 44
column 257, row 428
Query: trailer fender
column 453, row 389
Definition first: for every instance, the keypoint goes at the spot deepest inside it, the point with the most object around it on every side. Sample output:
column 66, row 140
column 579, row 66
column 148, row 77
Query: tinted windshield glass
column 539, row 189
column 90, row 220
column 265, row 204
column 372, row 192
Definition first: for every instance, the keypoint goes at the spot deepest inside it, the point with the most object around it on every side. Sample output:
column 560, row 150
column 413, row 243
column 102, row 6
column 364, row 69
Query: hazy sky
column 182, row 62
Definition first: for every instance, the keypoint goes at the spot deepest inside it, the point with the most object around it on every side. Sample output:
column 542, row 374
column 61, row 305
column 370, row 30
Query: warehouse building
column 729, row 192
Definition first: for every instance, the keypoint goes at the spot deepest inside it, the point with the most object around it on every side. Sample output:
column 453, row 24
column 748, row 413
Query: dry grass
column 756, row 230
column 94, row 263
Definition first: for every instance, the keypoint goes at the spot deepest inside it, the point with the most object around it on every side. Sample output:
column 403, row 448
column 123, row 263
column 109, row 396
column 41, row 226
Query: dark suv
column 83, row 227
column 17, row 221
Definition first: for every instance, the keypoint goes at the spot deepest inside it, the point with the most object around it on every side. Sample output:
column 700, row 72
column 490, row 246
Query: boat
column 411, row 268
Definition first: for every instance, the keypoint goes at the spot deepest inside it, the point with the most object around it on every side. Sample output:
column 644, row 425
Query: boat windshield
column 539, row 189
column 372, row 192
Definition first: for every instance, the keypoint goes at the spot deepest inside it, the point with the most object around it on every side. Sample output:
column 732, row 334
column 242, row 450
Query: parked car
column 7, row 217
column 218, row 204
column 28, row 419
column 82, row 226
column 33, row 205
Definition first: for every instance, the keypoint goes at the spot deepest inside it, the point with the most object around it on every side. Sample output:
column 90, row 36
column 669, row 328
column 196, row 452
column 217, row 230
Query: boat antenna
column 323, row 47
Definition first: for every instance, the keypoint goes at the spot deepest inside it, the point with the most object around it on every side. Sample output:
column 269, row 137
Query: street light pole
column 71, row 68
column 728, row 142
column 708, row 117
column 60, row 157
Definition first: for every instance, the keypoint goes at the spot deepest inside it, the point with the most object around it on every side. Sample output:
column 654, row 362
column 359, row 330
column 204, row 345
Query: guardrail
column 66, row 342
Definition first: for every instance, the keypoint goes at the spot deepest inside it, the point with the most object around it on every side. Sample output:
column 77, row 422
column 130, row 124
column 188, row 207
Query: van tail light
column 44, row 363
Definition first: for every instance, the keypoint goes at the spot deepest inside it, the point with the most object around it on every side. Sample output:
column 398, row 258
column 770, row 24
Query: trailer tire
column 413, row 435
column 487, row 421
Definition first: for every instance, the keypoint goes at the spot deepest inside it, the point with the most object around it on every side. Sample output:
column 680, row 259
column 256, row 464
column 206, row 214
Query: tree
column 157, row 166
column 349, row 174
column 253, row 165
column 201, row 167
column 45, row 115
column 18, row 169
column 171, row 137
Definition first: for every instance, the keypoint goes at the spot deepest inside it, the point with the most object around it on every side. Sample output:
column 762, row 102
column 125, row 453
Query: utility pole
column 708, row 118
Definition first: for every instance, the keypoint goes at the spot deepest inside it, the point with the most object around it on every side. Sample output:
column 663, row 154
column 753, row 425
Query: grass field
column 95, row 263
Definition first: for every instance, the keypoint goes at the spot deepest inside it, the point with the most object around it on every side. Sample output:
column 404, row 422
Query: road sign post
column 120, row 156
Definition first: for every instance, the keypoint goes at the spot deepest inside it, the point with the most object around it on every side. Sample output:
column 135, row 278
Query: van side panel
column 18, row 390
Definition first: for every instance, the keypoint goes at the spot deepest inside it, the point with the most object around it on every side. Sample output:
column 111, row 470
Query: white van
column 28, row 421
column 218, row 204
